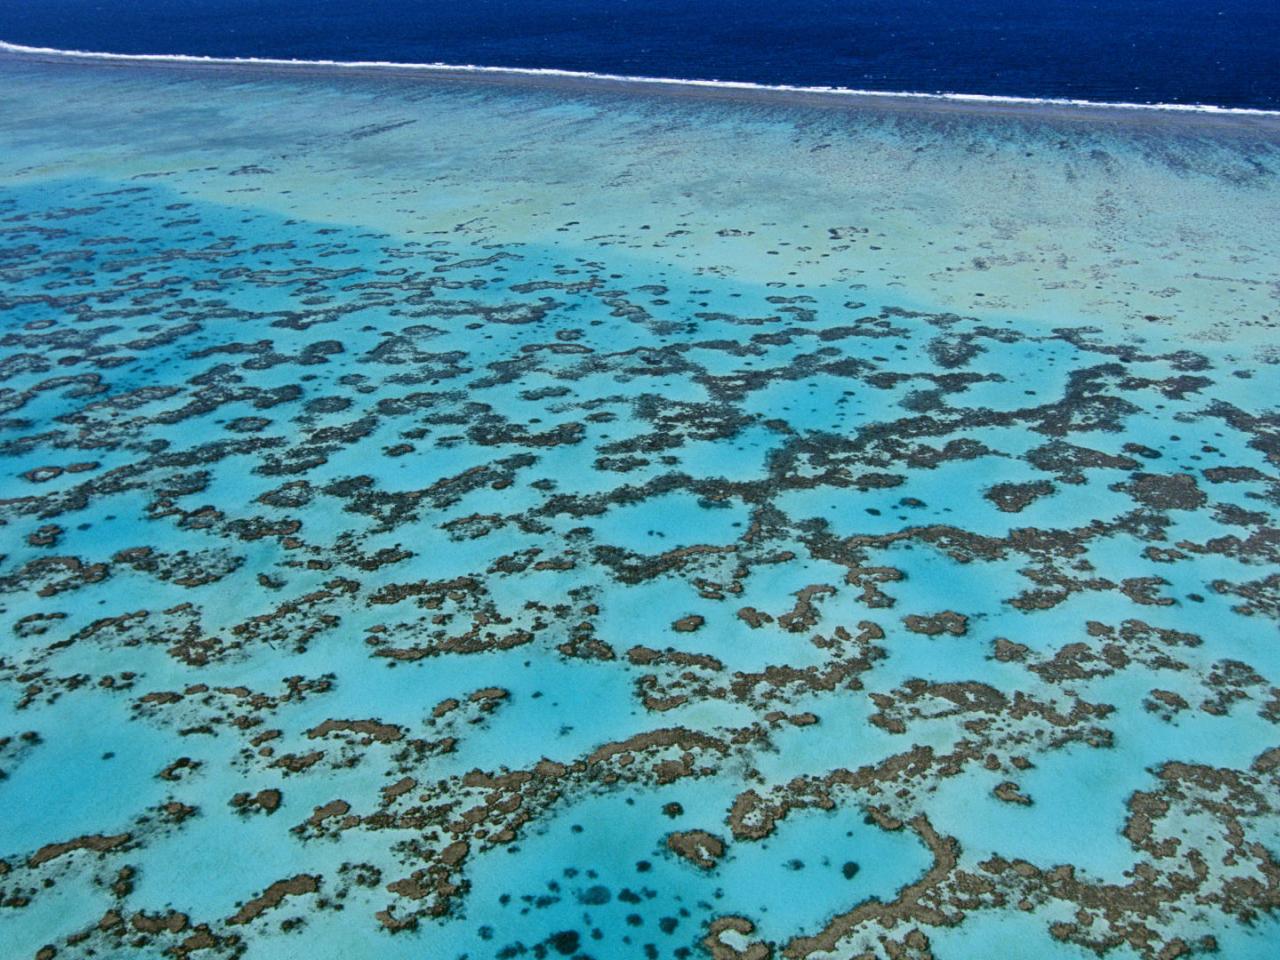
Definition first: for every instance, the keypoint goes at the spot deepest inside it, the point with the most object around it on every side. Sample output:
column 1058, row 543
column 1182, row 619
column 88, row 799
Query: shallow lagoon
column 447, row 516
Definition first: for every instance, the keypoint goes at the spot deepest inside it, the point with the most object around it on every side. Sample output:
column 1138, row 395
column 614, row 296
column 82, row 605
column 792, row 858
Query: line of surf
column 975, row 98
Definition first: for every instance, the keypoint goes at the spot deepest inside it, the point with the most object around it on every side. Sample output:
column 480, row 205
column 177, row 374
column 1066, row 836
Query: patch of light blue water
column 1010, row 933
column 569, row 469
column 719, row 362
column 643, row 613
column 598, row 869
column 1227, row 633
column 89, row 774
column 743, row 457
column 1143, row 740
column 934, row 581
column 1071, row 505
column 843, row 738
column 1255, row 941
column 819, row 863
column 710, row 715
column 1065, row 822
column 669, row 522
column 1023, row 378
column 29, row 929
column 227, row 875
column 773, row 589
column 1046, row 631
column 951, row 494
column 24, row 461
column 1247, row 496
column 603, row 871
column 555, row 708
column 1180, row 439
column 825, row 403
column 97, row 531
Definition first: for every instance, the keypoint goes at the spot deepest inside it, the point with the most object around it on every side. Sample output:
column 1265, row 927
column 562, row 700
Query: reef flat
column 480, row 517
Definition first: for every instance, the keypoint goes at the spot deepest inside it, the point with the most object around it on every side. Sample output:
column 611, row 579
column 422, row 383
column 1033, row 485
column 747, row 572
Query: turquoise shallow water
column 463, row 518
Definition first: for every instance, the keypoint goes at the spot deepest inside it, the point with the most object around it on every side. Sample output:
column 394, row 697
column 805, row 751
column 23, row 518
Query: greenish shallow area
column 462, row 517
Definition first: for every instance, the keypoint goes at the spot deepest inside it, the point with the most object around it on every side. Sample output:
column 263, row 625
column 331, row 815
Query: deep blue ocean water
column 1154, row 51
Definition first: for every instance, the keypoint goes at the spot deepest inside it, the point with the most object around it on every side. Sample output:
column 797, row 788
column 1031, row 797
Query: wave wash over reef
column 456, row 516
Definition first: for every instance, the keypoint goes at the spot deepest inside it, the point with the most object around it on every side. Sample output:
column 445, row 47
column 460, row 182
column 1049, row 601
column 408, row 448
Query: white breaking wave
column 976, row 98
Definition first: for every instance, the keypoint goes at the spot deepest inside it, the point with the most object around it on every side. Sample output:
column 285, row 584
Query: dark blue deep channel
column 1222, row 52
